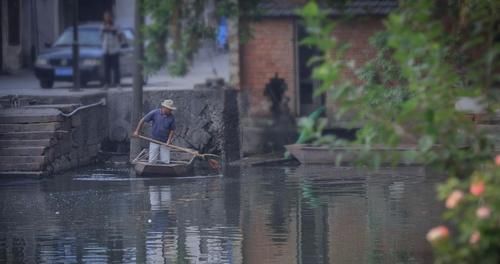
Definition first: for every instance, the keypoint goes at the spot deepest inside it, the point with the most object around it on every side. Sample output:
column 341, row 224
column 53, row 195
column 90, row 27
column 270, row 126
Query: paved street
column 207, row 64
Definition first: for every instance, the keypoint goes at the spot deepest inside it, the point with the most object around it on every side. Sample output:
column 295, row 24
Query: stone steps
column 38, row 140
column 11, row 160
column 24, row 174
column 25, row 116
column 27, row 137
column 30, row 135
column 41, row 127
column 22, row 151
column 22, row 167
column 25, row 143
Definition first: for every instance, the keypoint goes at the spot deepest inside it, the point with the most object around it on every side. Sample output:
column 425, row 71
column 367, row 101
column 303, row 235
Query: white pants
column 156, row 150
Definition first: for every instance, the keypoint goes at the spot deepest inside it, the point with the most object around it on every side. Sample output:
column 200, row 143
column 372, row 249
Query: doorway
column 88, row 11
column 308, row 102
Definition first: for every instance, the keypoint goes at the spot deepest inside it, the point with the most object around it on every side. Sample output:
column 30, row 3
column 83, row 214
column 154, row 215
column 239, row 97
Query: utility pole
column 76, row 49
column 135, row 146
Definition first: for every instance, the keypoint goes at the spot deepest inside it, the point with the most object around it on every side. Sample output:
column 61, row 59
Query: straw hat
column 168, row 104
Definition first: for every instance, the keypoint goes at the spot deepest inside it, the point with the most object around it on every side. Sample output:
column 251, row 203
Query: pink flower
column 483, row 212
column 477, row 188
column 438, row 233
column 497, row 160
column 454, row 198
column 474, row 237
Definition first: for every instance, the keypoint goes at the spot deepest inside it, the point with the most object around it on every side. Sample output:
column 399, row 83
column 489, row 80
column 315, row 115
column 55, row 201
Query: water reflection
column 251, row 215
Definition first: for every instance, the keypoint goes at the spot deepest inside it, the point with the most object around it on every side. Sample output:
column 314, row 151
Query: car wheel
column 47, row 83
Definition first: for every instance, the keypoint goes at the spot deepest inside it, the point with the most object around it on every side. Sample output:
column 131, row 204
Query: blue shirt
column 162, row 124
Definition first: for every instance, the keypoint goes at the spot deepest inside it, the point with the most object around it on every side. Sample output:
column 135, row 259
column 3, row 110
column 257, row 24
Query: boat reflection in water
column 312, row 214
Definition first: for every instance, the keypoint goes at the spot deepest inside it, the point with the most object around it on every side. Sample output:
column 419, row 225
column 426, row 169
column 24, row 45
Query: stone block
column 22, row 167
column 28, row 143
column 48, row 127
column 27, row 135
column 76, row 121
column 23, row 115
column 62, row 147
column 22, row 159
column 22, row 151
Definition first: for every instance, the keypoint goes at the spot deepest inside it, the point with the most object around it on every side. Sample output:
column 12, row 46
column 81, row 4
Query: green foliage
column 432, row 54
column 176, row 27
column 413, row 70
column 385, row 85
column 311, row 127
column 156, row 33
column 173, row 26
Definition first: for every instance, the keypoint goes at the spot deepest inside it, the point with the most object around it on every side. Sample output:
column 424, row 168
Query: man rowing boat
column 163, row 122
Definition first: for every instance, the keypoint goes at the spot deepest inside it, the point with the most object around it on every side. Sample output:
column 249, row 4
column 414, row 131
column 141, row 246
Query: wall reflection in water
column 251, row 215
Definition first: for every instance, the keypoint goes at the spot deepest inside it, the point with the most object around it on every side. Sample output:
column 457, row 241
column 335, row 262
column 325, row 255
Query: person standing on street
column 111, row 38
column 163, row 122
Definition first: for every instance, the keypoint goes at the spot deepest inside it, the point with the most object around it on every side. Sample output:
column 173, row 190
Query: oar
column 214, row 164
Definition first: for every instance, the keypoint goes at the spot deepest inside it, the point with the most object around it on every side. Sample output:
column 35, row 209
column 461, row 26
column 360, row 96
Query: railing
column 101, row 102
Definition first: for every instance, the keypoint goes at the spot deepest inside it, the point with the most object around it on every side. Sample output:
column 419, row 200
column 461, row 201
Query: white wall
column 124, row 13
column 47, row 13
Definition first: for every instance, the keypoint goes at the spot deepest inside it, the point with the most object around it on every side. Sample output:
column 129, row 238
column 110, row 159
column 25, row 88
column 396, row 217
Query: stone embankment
column 38, row 137
column 38, row 140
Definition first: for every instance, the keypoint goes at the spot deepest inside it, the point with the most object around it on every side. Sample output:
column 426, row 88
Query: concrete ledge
column 45, row 127
column 22, row 116
column 11, row 160
column 30, row 135
column 22, row 174
column 23, row 167
column 65, row 108
column 28, row 143
column 22, row 151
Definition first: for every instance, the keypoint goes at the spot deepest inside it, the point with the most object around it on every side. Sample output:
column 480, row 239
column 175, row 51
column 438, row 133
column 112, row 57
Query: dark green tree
column 433, row 54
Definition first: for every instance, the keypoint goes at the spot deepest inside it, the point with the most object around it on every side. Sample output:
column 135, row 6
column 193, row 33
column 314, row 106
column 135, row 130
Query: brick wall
column 357, row 33
column 272, row 50
column 269, row 51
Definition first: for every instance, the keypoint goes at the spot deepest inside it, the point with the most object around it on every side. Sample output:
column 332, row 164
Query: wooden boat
column 309, row 154
column 182, row 166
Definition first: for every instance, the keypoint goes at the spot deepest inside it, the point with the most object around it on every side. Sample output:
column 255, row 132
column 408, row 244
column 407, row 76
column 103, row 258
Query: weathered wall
column 38, row 140
column 270, row 51
column 356, row 33
column 207, row 120
column 81, row 145
column 77, row 139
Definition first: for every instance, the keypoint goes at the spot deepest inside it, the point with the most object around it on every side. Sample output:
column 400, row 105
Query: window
column 86, row 37
column 13, row 22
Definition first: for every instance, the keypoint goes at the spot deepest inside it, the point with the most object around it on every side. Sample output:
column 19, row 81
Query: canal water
column 249, row 215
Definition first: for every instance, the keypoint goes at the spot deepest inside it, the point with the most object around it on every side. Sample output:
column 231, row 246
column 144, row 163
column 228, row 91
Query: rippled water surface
column 249, row 215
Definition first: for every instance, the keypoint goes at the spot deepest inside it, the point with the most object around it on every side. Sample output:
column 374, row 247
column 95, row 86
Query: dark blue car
column 55, row 63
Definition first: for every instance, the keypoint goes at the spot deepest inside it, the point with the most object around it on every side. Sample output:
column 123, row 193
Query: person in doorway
column 163, row 122
column 111, row 38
